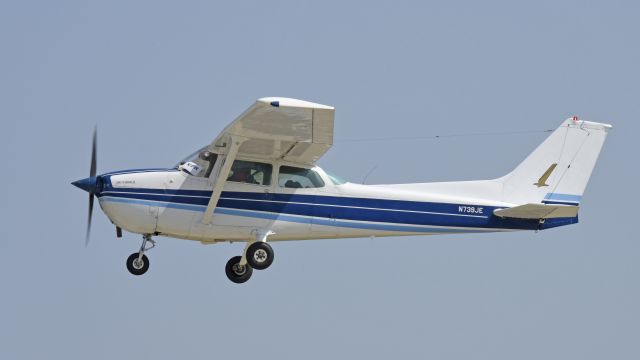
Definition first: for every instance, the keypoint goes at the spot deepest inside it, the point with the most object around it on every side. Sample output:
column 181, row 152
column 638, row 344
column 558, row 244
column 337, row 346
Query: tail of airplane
column 558, row 170
column 552, row 177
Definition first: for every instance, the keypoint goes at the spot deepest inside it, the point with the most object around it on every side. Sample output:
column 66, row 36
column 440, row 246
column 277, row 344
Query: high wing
column 281, row 128
column 272, row 129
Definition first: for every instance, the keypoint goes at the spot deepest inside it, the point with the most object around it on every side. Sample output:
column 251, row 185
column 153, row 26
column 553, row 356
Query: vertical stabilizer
column 558, row 170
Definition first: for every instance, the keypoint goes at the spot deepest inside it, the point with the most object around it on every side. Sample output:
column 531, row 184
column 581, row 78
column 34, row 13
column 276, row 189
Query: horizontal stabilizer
column 538, row 211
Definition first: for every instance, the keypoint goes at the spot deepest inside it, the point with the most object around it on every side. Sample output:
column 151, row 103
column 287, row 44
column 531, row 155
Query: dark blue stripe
column 406, row 205
column 131, row 171
column 558, row 203
column 349, row 213
column 316, row 209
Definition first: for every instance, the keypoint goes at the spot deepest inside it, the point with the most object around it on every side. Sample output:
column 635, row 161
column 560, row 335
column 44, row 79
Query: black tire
column 260, row 255
column 133, row 265
column 236, row 275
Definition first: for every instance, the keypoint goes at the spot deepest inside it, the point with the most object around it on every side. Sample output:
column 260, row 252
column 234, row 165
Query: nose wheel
column 138, row 262
column 137, row 265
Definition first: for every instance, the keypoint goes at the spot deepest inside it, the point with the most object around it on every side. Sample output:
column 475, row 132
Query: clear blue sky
column 163, row 78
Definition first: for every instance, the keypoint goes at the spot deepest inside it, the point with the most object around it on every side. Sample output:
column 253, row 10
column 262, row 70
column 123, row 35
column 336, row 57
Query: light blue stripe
column 200, row 208
column 563, row 197
column 296, row 219
column 339, row 223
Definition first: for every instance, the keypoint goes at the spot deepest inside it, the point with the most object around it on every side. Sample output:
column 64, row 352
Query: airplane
column 258, row 183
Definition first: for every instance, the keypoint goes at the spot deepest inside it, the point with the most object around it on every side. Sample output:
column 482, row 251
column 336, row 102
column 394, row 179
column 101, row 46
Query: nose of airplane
column 89, row 184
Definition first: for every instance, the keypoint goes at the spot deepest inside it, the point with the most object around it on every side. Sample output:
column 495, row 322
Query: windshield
column 335, row 179
column 196, row 159
column 193, row 157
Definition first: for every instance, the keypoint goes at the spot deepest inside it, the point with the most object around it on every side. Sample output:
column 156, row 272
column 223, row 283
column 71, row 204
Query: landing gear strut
column 138, row 262
column 257, row 255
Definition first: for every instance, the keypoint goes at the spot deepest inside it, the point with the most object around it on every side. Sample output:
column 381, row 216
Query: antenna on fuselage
column 369, row 173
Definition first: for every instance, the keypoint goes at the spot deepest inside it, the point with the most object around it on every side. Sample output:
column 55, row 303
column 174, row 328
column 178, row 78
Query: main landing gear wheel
column 236, row 272
column 259, row 255
column 137, row 265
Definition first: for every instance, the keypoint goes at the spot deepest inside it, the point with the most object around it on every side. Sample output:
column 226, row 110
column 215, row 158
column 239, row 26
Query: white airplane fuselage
column 171, row 203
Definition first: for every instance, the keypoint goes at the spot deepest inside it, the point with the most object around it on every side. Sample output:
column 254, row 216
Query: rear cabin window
column 297, row 178
column 250, row 172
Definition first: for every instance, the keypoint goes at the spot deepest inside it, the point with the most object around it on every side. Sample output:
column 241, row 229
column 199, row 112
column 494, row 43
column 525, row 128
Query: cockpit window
column 293, row 177
column 250, row 172
column 335, row 179
column 199, row 164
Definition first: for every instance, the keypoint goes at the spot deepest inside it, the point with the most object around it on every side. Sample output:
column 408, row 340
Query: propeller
column 92, row 175
column 90, row 184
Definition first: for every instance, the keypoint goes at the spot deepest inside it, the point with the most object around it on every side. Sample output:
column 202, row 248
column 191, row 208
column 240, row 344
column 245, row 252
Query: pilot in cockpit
column 242, row 175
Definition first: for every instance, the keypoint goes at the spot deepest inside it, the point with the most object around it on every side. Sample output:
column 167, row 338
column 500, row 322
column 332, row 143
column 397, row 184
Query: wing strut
column 221, row 177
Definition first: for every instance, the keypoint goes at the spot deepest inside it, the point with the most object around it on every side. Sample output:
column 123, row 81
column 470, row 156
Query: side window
column 293, row 177
column 250, row 172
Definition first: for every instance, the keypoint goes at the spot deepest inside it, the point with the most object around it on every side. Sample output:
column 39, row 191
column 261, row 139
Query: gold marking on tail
column 543, row 179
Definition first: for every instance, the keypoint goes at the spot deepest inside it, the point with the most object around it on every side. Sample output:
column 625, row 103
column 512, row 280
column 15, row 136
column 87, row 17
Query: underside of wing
column 282, row 128
column 538, row 211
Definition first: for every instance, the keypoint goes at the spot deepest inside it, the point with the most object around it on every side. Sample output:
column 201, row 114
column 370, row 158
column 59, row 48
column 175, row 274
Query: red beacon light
column 575, row 118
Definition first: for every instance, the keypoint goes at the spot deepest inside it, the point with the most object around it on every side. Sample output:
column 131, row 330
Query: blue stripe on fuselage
column 378, row 210
column 333, row 208
column 404, row 205
column 296, row 219
column 559, row 203
column 136, row 171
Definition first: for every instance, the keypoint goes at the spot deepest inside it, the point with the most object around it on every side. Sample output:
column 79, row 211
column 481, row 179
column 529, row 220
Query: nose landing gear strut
column 138, row 262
